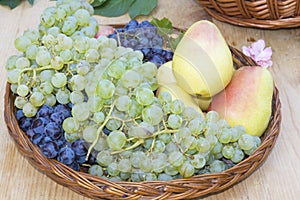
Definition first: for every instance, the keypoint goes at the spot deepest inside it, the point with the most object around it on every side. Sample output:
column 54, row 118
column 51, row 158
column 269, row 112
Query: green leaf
column 11, row 3
column 141, row 7
column 164, row 26
column 31, row 1
column 97, row 3
column 114, row 8
column 175, row 41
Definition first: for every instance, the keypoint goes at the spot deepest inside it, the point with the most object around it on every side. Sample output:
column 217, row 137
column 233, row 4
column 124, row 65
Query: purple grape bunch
column 143, row 36
column 45, row 130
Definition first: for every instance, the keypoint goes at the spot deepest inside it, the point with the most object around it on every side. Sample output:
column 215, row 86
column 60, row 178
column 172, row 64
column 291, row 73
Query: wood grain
column 277, row 179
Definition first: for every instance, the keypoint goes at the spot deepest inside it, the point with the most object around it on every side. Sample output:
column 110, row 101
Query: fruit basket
column 270, row 14
column 185, row 188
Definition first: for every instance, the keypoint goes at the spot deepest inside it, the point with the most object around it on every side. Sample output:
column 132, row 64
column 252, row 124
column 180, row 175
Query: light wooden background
column 277, row 179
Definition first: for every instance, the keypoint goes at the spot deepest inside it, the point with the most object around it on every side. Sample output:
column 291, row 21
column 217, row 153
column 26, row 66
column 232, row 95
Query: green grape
column 89, row 134
column 186, row 170
column 22, row 63
column 216, row 166
column 211, row 129
column 13, row 75
column 123, row 103
column 235, row 134
column 170, row 170
column 83, row 17
column 116, row 69
column 101, row 144
column 228, row 151
column 257, row 142
column 113, row 124
column 69, row 27
column 104, row 158
column 159, row 146
column 32, row 34
column 198, row 161
column 95, row 103
column 81, row 44
column 182, row 133
column 222, row 123
column 13, row 88
column 46, row 75
column 225, row 136
column 150, row 177
column 174, row 121
column 189, row 142
column 48, row 40
column 50, row 100
column 105, row 89
column 76, row 97
column 112, row 169
column 176, row 158
column 54, row 30
column 165, row 137
column 98, row 117
column 22, row 42
column 57, row 63
column 43, row 57
column 203, row 145
column 246, row 142
column 116, row 140
column 70, row 125
column 77, row 82
column 138, row 132
column 152, row 114
column 135, row 109
column 164, row 177
column 238, row 155
column 176, row 106
column 60, row 13
column 212, row 116
column 59, row 80
column 71, row 137
column 148, row 70
column 31, row 52
column 124, row 165
column 146, row 165
column 94, row 43
column 22, row 90
column 136, row 158
column 20, row 102
column 144, row 96
column 29, row 110
column 217, row 148
column 83, row 68
column 63, row 96
column 197, row 126
column 66, row 55
column 131, row 79
column 47, row 19
column 11, row 62
column 37, row 99
column 92, row 55
column 164, row 97
column 120, row 90
column 80, row 111
column 96, row 170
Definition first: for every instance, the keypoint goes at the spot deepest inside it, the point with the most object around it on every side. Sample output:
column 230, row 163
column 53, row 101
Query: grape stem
column 100, row 129
column 136, row 144
column 34, row 70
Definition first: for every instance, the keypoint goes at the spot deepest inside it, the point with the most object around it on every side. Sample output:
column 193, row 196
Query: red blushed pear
column 247, row 100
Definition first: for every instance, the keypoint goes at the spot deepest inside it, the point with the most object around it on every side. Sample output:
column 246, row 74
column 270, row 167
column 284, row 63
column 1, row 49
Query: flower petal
column 258, row 46
column 265, row 54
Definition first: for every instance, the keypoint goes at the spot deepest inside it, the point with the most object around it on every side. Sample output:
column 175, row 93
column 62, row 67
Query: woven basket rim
column 188, row 188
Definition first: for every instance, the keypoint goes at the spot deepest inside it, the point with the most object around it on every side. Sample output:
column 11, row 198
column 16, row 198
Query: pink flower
column 260, row 54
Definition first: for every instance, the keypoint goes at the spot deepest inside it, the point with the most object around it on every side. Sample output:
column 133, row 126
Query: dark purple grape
column 144, row 41
column 36, row 138
column 168, row 55
column 75, row 166
column 19, row 114
column 57, row 118
column 132, row 43
column 79, row 147
column 53, row 130
column 61, row 142
column 49, row 149
column 157, row 41
column 157, row 51
column 150, row 33
column 119, row 30
column 64, row 110
column 146, row 23
column 38, row 125
column 132, row 24
column 25, row 123
column 106, row 131
column 157, row 60
column 44, row 140
column 80, row 159
column 30, row 133
column 70, row 105
column 93, row 157
column 66, row 155
column 146, row 52
column 45, row 111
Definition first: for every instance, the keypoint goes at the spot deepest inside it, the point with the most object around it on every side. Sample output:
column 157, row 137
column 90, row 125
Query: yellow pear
column 165, row 75
column 203, row 102
column 247, row 100
column 202, row 62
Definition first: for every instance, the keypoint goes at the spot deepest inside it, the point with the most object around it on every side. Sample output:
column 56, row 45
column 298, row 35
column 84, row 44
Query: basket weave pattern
column 271, row 14
column 99, row 188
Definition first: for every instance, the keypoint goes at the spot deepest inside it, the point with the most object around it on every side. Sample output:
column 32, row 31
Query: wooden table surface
column 277, row 179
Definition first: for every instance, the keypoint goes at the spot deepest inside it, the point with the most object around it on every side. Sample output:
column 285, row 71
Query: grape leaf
column 31, row 1
column 164, row 26
column 141, row 7
column 113, row 8
column 97, row 3
column 11, row 3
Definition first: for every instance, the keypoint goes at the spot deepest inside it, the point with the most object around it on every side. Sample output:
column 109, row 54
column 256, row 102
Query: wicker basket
column 269, row 14
column 98, row 188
